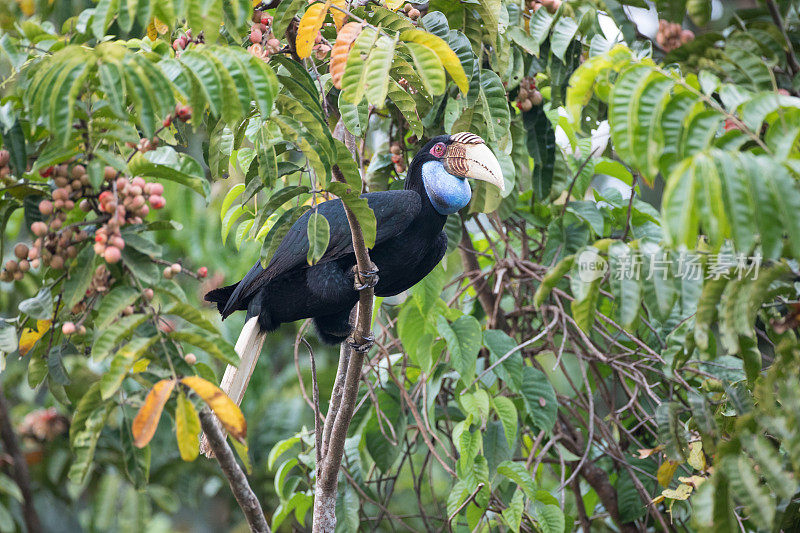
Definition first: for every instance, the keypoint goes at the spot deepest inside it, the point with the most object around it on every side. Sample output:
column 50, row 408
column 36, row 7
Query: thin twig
column 240, row 487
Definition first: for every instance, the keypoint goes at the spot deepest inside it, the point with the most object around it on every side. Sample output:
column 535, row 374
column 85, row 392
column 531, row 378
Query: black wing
column 394, row 211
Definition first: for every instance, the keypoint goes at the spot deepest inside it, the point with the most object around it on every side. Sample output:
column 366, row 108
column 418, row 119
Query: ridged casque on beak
column 467, row 156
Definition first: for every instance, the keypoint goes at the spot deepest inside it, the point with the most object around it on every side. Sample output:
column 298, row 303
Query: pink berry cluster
column 671, row 35
column 551, row 5
column 264, row 43
column 43, row 425
column 397, row 157
column 125, row 203
column 185, row 39
column 5, row 168
column 528, row 95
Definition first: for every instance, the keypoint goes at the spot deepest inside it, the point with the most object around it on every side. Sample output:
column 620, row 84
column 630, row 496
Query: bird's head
column 440, row 168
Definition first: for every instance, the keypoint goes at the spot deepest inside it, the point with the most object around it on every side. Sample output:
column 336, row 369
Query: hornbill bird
column 410, row 242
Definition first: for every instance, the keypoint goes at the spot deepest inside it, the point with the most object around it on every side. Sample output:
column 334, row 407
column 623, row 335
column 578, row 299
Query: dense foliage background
column 583, row 357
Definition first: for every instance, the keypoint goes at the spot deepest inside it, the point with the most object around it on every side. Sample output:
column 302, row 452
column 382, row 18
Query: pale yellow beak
column 468, row 156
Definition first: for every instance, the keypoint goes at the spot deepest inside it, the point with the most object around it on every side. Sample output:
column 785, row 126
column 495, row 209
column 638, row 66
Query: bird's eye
column 438, row 150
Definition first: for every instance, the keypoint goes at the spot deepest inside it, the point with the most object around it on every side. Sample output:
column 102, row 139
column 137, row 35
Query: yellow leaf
column 161, row 28
column 29, row 337
column 666, row 471
column 681, row 493
column 697, row 459
column 187, row 429
column 140, row 365
column 146, row 420
column 27, row 6
column 152, row 32
column 449, row 59
column 394, row 5
column 339, row 16
column 310, row 25
column 694, row 481
column 219, row 402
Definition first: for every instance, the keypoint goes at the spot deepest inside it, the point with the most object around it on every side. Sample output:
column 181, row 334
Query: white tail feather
column 235, row 380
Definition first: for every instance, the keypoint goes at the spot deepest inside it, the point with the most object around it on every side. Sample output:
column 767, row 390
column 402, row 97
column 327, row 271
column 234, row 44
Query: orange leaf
column 338, row 16
column 341, row 49
column 146, row 420
column 29, row 338
column 219, row 402
column 309, row 27
column 152, row 33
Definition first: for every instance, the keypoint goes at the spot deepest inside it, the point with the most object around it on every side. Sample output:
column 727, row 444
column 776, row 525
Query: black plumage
column 409, row 244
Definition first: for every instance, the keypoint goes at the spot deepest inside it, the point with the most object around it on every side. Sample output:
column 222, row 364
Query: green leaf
column 39, row 307
column 112, row 304
column 407, row 106
column 205, row 16
column 542, row 147
column 360, row 208
column 278, row 231
column 512, row 515
column 103, row 15
column 507, row 414
column 670, row 430
column 215, row 346
column 80, row 278
column 517, row 473
column 84, row 432
column 8, row 337
column 429, row 68
column 190, row 314
column 550, row 518
column 563, row 33
column 121, row 364
column 463, row 339
column 183, row 171
column 540, row 398
column 355, row 116
column 112, row 335
column 354, row 79
column 376, row 72
column 379, row 434
column 319, row 234
column 279, row 449
column 500, row 344
column 284, row 13
column 625, row 282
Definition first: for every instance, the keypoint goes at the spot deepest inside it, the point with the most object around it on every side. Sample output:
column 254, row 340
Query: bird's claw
column 365, row 279
column 363, row 346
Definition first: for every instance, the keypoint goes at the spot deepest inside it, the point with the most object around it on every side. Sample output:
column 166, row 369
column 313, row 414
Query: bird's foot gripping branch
column 365, row 279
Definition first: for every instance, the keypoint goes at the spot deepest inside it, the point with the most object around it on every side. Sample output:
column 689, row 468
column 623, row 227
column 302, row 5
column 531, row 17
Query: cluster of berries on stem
column 264, row 42
column 671, row 35
column 397, row 157
column 550, row 5
column 528, row 95
column 412, row 12
column 5, row 168
column 185, row 39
